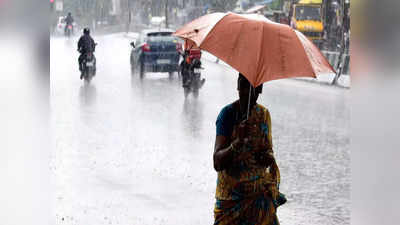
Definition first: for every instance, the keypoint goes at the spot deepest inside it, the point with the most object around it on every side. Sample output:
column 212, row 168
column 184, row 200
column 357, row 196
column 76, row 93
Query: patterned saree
column 247, row 192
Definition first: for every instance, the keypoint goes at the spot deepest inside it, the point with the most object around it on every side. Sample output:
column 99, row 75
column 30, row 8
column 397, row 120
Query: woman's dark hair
column 242, row 81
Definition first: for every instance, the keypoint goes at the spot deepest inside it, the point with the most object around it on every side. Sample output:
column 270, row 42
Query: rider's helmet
column 86, row 31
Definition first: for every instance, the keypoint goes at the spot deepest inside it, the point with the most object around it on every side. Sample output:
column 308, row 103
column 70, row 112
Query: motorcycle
column 190, row 70
column 88, row 67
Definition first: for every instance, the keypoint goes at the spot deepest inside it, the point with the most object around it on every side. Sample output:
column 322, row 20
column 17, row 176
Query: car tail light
column 146, row 47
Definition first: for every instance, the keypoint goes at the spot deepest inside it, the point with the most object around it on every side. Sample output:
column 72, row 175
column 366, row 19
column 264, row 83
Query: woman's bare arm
column 222, row 153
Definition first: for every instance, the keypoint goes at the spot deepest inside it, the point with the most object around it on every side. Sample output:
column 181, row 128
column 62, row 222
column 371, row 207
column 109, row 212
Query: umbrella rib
column 237, row 37
column 283, row 55
column 309, row 60
column 259, row 65
column 321, row 57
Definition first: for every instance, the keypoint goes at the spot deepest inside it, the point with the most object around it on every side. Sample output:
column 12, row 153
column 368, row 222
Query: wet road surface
column 131, row 151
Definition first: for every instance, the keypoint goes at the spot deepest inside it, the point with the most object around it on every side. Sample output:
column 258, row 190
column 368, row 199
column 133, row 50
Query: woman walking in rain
column 248, row 176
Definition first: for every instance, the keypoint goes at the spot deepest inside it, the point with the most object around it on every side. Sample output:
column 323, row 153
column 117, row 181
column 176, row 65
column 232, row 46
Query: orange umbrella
column 260, row 49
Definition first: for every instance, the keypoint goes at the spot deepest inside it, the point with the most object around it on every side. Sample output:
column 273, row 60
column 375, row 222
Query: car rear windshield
column 161, row 37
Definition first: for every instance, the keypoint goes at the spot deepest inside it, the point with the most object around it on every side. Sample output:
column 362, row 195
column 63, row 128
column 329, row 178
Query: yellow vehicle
column 308, row 19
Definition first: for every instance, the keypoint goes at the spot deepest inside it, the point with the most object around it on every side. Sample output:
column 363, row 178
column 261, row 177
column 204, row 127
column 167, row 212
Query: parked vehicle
column 60, row 28
column 308, row 18
column 155, row 51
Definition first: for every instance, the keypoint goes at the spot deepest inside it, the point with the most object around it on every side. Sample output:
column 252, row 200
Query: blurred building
column 115, row 7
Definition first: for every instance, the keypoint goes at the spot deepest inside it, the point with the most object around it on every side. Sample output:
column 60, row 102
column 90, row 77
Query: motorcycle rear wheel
column 86, row 76
column 186, row 91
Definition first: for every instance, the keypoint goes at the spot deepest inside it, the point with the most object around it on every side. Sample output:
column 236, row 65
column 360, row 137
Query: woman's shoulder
column 263, row 108
column 228, row 109
column 225, row 120
column 227, row 112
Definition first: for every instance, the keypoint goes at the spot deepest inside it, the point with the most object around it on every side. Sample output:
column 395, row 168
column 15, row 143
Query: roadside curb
column 342, row 81
column 333, row 58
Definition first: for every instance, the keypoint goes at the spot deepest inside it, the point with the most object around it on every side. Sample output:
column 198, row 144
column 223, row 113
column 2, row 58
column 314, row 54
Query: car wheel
column 142, row 72
column 132, row 62
column 196, row 93
column 186, row 91
column 179, row 75
column 171, row 75
column 132, row 68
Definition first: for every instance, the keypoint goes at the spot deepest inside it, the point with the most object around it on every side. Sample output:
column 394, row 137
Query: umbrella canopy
column 260, row 49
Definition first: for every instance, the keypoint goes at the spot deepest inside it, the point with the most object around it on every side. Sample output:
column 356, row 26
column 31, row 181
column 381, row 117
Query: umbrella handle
column 248, row 102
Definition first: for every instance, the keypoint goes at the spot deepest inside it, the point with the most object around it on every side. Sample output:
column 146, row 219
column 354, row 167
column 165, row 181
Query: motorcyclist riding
column 189, row 60
column 69, row 20
column 190, row 69
column 185, row 64
column 86, row 45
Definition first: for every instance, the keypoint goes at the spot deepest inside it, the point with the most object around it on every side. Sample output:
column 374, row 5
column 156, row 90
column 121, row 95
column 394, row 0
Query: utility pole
column 129, row 16
column 343, row 46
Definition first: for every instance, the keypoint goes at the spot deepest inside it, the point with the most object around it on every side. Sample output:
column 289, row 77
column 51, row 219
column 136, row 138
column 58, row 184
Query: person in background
column 69, row 20
column 86, row 45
